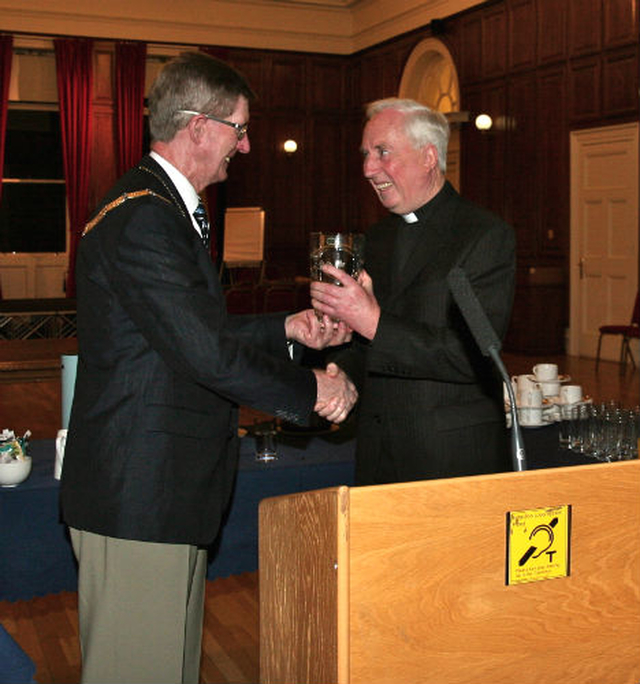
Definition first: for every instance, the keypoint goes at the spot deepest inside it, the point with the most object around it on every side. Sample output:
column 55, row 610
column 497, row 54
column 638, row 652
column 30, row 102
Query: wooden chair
column 627, row 332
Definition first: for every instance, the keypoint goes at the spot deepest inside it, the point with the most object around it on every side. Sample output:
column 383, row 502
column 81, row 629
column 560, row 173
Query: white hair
column 423, row 125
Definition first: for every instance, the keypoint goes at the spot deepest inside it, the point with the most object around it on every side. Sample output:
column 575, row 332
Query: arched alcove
column 430, row 77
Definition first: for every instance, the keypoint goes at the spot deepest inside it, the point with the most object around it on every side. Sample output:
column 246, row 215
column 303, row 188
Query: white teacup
column 523, row 382
column 530, row 397
column 571, row 394
column 545, row 372
column 550, row 388
column 530, row 415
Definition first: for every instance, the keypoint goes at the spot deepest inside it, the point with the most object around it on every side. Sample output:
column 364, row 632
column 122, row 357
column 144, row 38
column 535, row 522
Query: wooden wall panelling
column 537, row 318
column 366, row 82
column 103, row 162
column 288, row 78
column 363, row 208
column 552, row 140
column 584, row 89
column 103, row 135
column 496, row 144
column 248, row 174
column 470, row 50
column 620, row 22
column 288, row 196
column 328, row 164
column 620, row 82
column 494, row 42
column 327, row 84
column 252, row 64
column 521, row 185
column 584, row 32
column 552, row 31
column 475, row 148
column 522, row 34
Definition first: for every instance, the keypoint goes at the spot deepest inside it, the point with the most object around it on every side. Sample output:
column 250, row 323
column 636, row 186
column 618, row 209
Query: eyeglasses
column 241, row 129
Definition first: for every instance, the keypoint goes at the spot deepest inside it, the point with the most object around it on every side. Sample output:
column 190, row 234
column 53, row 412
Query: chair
column 627, row 332
column 243, row 245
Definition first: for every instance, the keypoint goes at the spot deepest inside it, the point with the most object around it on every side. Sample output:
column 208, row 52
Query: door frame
column 577, row 139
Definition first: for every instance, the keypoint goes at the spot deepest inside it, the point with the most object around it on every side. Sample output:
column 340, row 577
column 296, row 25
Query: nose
column 369, row 166
column 244, row 146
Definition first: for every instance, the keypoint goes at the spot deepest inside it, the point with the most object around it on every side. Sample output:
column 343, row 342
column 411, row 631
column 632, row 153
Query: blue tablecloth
column 36, row 557
column 35, row 553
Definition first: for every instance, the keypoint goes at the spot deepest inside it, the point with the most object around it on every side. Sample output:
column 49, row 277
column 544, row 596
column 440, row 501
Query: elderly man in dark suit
column 431, row 405
column 152, row 444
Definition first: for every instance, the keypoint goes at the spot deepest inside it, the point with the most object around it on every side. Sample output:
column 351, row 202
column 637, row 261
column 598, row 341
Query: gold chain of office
column 117, row 202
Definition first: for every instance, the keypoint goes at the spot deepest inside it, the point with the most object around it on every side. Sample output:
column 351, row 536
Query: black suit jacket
column 152, row 444
column 431, row 404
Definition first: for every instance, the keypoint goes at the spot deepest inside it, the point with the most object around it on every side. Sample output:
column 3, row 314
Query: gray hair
column 422, row 125
column 197, row 82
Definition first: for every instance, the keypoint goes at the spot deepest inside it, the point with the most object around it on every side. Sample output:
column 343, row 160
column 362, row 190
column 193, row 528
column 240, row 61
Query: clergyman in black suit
column 431, row 405
column 162, row 368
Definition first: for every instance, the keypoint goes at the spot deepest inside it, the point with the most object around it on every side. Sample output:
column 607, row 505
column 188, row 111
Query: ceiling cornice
column 324, row 26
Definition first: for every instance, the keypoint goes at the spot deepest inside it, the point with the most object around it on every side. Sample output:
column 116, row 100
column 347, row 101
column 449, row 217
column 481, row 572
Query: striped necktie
column 200, row 215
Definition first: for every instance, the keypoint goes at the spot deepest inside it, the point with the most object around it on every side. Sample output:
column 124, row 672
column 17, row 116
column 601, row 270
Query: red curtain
column 75, row 86
column 130, row 73
column 6, row 53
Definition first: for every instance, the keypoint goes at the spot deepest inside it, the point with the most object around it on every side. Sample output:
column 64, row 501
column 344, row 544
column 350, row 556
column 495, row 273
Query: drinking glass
column 265, row 448
column 343, row 250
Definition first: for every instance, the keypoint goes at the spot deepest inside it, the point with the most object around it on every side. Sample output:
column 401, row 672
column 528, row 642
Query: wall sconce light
column 483, row 122
column 290, row 146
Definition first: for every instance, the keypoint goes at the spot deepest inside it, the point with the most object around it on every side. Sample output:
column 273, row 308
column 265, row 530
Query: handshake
column 336, row 394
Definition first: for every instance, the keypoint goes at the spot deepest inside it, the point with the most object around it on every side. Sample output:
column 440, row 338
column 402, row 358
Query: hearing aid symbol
column 531, row 551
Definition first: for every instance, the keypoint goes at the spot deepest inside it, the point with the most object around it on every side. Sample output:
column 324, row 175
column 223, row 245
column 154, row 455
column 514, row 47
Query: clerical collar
column 410, row 218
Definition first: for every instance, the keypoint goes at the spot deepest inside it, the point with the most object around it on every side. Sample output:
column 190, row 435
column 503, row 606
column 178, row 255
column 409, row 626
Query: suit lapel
column 164, row 185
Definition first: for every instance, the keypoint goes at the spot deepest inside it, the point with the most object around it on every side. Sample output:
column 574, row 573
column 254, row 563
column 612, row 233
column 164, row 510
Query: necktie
column 200, row 215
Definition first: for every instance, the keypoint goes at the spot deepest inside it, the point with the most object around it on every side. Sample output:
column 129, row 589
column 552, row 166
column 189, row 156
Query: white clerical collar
column 410, row 217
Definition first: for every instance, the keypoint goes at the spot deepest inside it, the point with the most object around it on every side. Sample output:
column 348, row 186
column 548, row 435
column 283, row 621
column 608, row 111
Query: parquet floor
column 47, row 630
column 46, row 627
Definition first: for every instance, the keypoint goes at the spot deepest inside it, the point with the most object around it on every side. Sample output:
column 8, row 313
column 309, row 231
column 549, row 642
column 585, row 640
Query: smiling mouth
column 383, row 186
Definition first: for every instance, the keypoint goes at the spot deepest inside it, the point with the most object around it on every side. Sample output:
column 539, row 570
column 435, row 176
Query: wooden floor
column 46, row 627
column 47, row 630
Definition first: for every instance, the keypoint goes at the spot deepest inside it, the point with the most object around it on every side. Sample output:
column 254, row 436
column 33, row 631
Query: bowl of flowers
column 15, row 463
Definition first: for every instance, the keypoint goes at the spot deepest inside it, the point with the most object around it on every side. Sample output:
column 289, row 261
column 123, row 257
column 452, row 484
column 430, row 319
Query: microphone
column 490, row 345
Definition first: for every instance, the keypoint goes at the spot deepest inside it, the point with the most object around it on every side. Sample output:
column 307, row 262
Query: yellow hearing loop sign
column 538, row 544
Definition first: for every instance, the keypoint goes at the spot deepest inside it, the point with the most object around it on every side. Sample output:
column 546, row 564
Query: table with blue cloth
column 37, row 558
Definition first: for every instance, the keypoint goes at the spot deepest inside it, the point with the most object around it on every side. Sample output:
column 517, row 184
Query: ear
column 195, row 128
column 430, row 157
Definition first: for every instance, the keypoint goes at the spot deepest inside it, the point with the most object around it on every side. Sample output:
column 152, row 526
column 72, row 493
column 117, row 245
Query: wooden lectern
column 408, row 583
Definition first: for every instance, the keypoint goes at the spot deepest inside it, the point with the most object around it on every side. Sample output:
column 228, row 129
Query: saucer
column 585, row 400
column 559, row 379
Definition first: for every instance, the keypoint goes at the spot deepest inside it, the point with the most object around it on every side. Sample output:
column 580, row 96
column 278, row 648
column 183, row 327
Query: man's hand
column 354, row 303
column 336, row 394
column 304, row 327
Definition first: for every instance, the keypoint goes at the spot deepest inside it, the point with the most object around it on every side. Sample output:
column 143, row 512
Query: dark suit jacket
column 152, row 444
column 431, row 404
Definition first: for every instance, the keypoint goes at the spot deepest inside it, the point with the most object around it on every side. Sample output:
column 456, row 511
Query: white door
column 604, row 235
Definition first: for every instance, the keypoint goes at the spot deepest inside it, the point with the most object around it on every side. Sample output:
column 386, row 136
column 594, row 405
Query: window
column 33, row 209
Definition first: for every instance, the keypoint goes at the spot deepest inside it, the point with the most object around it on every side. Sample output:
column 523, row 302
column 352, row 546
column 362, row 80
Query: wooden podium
column 409, row 583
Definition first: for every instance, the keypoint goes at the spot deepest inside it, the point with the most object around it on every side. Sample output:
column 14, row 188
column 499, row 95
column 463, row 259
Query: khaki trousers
column 140, row 610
